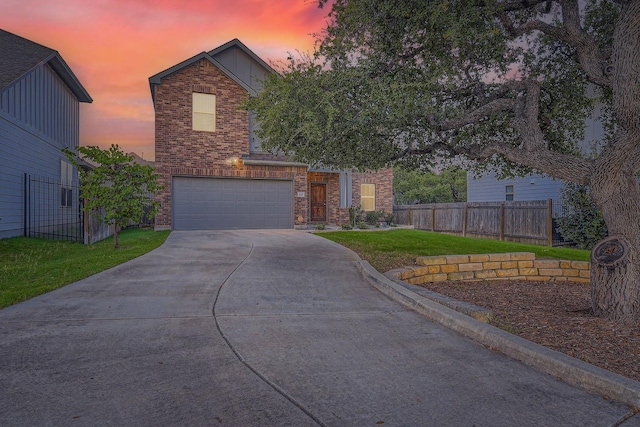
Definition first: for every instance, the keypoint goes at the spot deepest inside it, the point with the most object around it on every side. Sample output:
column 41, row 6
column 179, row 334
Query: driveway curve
column 259, row 328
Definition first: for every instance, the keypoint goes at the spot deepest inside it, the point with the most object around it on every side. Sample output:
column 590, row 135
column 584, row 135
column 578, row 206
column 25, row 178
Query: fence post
column 550, row 221
column 464, row 221
column 502, row 221
column 26, row 205
column 409, row 216
column 433, row 218
column 86, row 226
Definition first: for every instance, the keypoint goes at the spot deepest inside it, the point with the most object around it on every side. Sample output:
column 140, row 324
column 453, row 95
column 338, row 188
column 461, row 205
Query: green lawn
column 30, row 267
column 386, row 250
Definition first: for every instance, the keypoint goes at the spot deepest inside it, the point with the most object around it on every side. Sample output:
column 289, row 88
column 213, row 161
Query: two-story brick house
column 215, row 175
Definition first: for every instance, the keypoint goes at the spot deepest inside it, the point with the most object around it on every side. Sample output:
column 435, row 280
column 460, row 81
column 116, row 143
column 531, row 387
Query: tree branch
column 594, row 61
column 564, row 166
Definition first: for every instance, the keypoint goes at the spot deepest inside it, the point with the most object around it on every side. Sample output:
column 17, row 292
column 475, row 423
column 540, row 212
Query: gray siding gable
column 45, row 106
column 20, row 56
column 243, row 63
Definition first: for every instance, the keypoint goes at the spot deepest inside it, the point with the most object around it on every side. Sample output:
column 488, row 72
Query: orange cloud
column 114, row 46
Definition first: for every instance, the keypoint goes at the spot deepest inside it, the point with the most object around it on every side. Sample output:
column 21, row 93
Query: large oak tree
column 504, row 83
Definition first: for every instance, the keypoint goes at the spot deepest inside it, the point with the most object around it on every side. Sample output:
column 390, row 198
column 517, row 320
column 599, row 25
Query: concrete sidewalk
column 260, row 328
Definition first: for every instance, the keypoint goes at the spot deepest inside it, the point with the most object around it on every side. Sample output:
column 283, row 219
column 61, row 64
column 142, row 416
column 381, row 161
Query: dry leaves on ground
column 556, row 315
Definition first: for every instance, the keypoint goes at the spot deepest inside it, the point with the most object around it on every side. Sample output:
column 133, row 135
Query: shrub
column 374, row 217
column 321, row 226
column 582, row 222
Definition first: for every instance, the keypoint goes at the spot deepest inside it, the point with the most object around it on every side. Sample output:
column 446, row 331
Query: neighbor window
column 204, row 112
column 66, row 180
column 508, row 194
column 368, row 197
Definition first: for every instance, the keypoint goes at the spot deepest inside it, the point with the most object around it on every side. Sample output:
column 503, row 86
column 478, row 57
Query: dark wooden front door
column 318, row 202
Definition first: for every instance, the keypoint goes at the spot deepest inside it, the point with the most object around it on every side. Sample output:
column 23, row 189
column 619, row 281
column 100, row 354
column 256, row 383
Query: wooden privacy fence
column 521, row 221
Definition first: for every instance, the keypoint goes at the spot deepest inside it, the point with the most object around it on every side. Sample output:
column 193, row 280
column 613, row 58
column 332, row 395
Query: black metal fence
column 52, row 210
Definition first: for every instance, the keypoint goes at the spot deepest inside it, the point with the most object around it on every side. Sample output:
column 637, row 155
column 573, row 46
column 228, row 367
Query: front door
column 318, row 202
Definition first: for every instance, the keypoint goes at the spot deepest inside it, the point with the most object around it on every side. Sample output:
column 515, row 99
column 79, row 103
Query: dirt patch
column 556, row 315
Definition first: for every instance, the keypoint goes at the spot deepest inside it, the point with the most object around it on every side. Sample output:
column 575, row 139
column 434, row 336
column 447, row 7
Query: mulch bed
column 556, row 315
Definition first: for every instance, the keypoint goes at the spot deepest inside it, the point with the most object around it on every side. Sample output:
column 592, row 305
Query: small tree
column 582, row 222
column 118, row 189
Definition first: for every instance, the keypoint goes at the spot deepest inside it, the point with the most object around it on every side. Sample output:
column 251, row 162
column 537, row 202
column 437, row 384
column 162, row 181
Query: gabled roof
column 19, row 56
column 237, row 43
column 156, row 79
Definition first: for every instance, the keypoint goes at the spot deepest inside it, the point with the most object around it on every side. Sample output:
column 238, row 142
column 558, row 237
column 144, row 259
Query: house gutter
column 273, row 163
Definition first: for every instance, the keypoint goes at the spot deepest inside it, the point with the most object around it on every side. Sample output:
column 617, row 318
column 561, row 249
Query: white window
column 368, row 197
column 204, row 112
column 508, row 193
column 66, row 182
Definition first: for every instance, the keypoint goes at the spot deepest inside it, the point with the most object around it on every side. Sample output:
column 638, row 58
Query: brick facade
column 382, row 179
column 181, row 151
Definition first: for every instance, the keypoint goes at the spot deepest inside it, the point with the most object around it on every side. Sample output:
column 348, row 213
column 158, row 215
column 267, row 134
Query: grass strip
column 386, row 250
column 30, row 267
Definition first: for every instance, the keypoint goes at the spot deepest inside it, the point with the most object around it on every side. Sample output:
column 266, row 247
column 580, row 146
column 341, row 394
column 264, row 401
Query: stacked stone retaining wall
column 513, row 265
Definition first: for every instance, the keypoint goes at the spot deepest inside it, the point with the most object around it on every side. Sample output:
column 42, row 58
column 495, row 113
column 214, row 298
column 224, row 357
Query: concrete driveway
column 260, row 328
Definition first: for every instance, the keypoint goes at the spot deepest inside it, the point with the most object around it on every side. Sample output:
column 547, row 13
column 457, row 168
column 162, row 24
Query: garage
column 227, row 203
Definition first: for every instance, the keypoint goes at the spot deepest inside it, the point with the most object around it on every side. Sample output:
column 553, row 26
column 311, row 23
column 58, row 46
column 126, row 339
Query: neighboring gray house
column 39, row 115
column 488, row 188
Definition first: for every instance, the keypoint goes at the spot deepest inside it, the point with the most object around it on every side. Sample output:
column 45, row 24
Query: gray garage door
column 214, row 203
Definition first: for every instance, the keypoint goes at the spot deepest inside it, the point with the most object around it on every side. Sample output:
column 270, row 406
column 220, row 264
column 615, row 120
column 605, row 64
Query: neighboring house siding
column 488, row 188
column 38, row 117
column 42, row 102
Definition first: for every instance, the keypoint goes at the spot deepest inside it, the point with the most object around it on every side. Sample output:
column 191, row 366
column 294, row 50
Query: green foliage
column 374, row 217
column 352, row 216
column 321, row 226
column 411, row 83
column 118, row 190
column 414, row 186
column 582, row 222
column 30, row 267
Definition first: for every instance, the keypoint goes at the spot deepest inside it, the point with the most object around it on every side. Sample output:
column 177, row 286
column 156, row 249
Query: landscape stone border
column 511, row 265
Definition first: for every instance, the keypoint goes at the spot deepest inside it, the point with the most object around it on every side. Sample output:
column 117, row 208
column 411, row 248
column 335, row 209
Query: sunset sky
column 114, row 46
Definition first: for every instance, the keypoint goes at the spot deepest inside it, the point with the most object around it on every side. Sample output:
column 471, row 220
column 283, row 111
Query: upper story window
column 508, row 193
column 204, row 112
column 368, row 197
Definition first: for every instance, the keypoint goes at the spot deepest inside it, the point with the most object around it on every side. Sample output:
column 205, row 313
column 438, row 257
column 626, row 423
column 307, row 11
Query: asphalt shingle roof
column 19, row 55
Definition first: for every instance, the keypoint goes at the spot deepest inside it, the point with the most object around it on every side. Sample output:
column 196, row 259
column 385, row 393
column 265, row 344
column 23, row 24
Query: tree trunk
column 615, row 261
column 615, row 280
column 615, row 268
column 116, row 242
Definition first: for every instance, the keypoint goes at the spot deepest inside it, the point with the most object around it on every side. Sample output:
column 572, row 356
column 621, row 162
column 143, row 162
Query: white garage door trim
column 203, row 203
